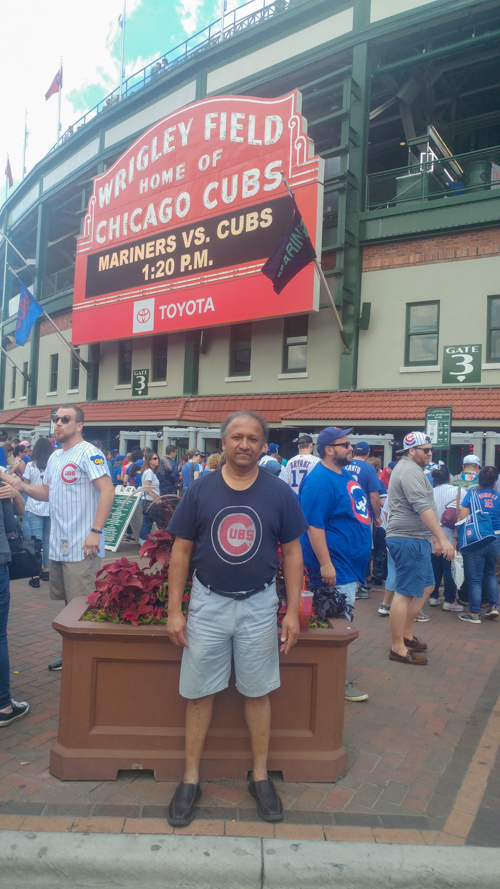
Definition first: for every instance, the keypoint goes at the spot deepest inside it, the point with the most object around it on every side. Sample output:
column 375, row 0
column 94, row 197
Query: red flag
column 56, row 84
column 8, row 173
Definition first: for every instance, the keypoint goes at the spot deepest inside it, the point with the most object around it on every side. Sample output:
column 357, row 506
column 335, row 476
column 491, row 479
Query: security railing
column 64, row 279
column 477, row 172
column 247, row 16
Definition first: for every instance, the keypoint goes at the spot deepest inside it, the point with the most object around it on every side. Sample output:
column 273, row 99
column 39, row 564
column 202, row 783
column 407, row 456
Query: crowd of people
column 338, row 519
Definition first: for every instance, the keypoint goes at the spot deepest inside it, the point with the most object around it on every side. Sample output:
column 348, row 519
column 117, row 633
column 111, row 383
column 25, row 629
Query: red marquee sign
column 178, row 229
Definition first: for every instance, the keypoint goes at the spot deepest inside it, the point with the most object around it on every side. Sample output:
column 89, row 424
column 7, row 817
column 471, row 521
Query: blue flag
column 292, row 254
column 29, row 310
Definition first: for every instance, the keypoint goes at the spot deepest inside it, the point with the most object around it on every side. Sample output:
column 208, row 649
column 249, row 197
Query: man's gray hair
column 253, row 414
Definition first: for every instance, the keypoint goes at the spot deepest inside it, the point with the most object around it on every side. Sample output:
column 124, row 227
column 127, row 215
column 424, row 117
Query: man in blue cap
column 338, row 543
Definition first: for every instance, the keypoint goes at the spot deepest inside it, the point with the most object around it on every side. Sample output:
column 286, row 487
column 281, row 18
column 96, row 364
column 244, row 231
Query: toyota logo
column 143, row 316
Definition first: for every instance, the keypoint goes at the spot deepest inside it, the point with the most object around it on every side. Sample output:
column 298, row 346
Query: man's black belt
column 245, row 595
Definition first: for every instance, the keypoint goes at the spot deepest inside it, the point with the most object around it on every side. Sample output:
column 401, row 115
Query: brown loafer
column 269, row 805
column 415, row 644
column 181, row 810
column 411, row 658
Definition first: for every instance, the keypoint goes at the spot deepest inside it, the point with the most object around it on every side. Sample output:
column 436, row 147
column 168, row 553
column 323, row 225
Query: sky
column 36, row 35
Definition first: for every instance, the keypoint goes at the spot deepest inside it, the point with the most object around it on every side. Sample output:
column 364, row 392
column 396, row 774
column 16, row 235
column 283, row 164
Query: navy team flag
column 292, row 254
column 28, row 312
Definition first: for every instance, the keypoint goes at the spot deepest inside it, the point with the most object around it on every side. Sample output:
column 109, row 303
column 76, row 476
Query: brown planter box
column 120, row 706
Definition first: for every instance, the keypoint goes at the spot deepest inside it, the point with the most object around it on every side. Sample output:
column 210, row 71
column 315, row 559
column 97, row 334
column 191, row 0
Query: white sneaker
column 384, row 609
column 434, row 602
column 452, row 606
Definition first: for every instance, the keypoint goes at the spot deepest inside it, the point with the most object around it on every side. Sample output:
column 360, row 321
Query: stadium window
column 422, row 333
column 74, row 381
column 240, row 350
column 159, row 362
column 13, row 383
column 25, row 381
column 295, row 344
column 493, row 329
column 125, row 361
column 54, row 371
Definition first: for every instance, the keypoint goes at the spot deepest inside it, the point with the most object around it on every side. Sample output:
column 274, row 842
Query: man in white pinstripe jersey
column 80, row 494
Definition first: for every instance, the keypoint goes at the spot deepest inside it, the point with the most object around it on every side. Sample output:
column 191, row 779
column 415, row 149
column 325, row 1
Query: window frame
column 286, row 345
column 489, row 329
column 408, row 335
column 239, row 345
column 123, row 347
column 25, row 381
column 53, row 372
column 74, row 372
column 13, row 382
column 155, row 358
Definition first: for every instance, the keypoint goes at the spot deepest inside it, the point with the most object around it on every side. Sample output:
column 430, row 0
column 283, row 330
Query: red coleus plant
column 127, row 593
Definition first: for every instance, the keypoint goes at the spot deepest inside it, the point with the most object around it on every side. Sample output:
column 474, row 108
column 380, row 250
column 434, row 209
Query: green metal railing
column 475, row 172
column 247, row 16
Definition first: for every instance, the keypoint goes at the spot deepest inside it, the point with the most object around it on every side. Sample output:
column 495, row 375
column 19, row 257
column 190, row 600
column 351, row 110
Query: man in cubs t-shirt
column 234, row 517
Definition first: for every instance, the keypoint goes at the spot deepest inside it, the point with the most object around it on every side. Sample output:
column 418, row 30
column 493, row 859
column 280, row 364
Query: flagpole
column 123, row 48
column 60, row 334
column 59, row 105
column 323, row 283
column 222, row 10
column 25, row 141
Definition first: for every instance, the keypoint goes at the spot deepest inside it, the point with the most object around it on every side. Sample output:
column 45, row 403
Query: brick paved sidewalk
column 423, row 763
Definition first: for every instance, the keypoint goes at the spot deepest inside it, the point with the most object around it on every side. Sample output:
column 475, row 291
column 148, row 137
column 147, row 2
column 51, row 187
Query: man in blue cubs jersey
column 338, row 543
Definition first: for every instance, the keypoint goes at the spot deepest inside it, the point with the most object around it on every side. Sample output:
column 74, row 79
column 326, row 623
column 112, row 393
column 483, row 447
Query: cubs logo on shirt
column 359, row 502
column 97, row 460
column 71, row 473
column 236, row 534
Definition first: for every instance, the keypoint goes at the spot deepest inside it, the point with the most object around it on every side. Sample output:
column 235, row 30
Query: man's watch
column 95, row 531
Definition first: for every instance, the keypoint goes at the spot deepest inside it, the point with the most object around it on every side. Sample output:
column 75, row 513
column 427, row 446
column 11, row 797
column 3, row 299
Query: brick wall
column 441, row 248
column 63, row 322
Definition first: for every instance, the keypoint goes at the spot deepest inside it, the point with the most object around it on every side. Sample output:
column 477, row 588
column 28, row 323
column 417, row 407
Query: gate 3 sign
column 178, row 229
column 462, row 364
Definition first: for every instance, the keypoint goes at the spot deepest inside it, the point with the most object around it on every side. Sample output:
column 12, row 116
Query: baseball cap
column 25, row 443
column 362, row 446
column 114, row 451
column 303, row 439
column 273, row 467
column 392, row 464
column 272, row 448
column 414, row 440
column 469, row 458
column 327, row 436
column 139, row 463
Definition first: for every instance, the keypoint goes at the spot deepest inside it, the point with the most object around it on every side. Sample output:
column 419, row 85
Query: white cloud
column 30, row 61
column 189, row 13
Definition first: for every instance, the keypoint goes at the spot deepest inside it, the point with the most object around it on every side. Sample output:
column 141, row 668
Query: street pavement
column 424, row 771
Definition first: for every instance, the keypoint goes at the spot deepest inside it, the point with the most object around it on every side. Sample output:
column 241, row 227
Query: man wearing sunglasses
column 80, row 494
column 337, row 545
column 413, row 530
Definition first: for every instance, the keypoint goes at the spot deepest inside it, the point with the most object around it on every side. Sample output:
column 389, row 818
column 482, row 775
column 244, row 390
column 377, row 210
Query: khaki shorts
column 68, row 580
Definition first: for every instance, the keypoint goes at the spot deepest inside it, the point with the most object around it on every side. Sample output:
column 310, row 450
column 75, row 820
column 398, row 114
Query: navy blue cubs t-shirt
column 336, row 502
column 236, row 532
